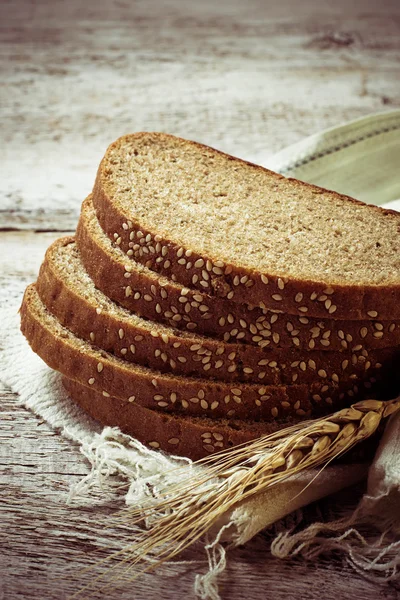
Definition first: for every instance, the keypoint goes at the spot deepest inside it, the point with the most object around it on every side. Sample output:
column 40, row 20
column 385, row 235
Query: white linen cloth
column 362, row 159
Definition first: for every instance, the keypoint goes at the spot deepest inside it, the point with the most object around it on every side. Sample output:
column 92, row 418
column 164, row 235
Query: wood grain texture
column 247, row 77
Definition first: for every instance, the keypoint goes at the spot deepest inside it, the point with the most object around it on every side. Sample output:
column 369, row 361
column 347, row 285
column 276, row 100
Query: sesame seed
column 92, row 336
column 281, row 283
column 194, row 400
column 173, row 441
column 312, row 364
column 182, row 261
column 296, row 341
column 303, row 365
column 204, row 404
column 230, row 318
column 154, row 444
column 313, row 296
column 121, row 334
column 392, row 327
column 274, row 411
column 91, row 381
column 105, row 394
column 311, row 344
column 276, row 297
column 128, row 291
column 322, row 373
column 185, row 404
column 378, row 334
column 335, row 378
column 345, row 364
column 317, row 398
column 199, row 263
column 296, row 406
column 298, row 297
column 326, row 334
column 304, row 320
column 264, row 279
column 372, row 313
column 378, row 326
column 273, row 319
column 332, row 309
column 276, row 338
column 248, row 370
column 100, row 367
column 303, row 309
column 131, row 398
column 231, row 368
column 325, row 342
column 98, row 311
column 300, row 412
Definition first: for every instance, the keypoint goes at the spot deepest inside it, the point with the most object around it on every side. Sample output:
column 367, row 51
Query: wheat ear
column 183, row 513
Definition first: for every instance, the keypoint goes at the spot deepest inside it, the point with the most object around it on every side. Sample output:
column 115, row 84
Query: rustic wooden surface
column 248, row 77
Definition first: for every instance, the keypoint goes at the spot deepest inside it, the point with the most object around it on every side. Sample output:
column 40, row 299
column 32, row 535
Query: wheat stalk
column 184, row 512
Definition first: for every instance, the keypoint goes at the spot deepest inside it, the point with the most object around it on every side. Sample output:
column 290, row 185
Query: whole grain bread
column 70, row 295
column 193, row 437
column 233, row 229
column 155, row 297
column 112, row 376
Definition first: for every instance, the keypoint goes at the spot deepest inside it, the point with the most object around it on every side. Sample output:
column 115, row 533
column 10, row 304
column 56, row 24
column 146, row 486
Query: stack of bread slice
column 206, row 301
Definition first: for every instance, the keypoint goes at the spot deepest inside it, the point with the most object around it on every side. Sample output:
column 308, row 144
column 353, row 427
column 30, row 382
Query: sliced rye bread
column 193, row 437
column 236, row 230
column 157, row 298
column 110, row 375
column 70, row 295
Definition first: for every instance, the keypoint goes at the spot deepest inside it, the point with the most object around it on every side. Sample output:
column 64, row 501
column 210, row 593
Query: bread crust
column 240, row 284
column 176, row 434
column 185, row 436
column 78, row 360
column 222, row 318
column 165, row 349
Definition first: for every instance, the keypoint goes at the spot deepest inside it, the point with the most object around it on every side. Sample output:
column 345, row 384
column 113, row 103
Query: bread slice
column 234, row 229
column 144, row 292
column 193, row 437
column 70, row 295
column 110, row 375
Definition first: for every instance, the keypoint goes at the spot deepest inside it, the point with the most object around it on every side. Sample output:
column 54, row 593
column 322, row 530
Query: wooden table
column 247, row 77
